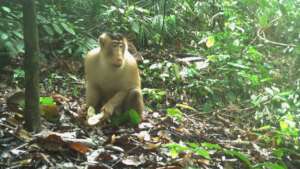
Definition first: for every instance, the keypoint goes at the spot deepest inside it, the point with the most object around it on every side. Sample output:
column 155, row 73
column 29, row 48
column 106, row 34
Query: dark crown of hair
column 115, row 36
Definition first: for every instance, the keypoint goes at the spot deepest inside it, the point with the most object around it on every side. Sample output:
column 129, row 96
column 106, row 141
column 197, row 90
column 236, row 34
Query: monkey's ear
column 104, row 39
column 125, row 42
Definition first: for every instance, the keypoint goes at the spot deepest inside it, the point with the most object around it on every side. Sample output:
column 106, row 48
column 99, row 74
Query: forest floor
column 219, row 139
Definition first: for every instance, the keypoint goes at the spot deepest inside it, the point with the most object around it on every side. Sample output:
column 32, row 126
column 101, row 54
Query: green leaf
column 263, row 21
column 18, row 34
column 210, row 41
column 211, row 146
column 6, row 9
column 175, row 113
column 195, row 148
column 48, row 29
column 46, row 101
column 278, row 152
column 268, row 165
column 201, row 152
column 135, row 27
column 122, row 118
column 57, row 29
column 171, row 21
column 68, row 28
column 283, row 124
column 142, row 10
column 212, row 58
column 119, row 119
column 238, row 155
column 4, row 36
column 209, row 90
column 238, row 65
column 134, row 116
column 175, row 149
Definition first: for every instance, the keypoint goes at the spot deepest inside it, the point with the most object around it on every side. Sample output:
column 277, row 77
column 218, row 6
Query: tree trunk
column 31, row 66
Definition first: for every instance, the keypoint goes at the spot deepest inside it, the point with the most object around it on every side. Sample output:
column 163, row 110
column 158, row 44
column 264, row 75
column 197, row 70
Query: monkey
column 113, row 82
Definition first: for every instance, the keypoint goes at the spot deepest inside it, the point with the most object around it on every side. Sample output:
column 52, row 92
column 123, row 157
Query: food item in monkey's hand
column 93, row 118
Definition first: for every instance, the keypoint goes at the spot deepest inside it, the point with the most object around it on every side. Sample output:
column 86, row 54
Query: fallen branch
column 258, row 33
column 272, row 42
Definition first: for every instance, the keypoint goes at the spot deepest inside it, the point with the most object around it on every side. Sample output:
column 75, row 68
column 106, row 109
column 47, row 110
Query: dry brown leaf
column 16, row 102
column 182, row 130
column 81, row 148
column 203, row 161
column 151, row 146
column 58, row 98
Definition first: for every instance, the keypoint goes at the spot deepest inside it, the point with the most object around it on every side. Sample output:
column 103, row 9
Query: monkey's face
column 116, row 52
column 113, row 46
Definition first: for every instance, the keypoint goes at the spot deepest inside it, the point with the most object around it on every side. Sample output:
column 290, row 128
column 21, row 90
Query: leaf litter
column 162, row 141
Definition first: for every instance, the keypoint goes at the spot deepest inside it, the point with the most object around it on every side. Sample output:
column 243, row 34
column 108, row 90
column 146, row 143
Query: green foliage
column 175, row 149
column 130, row 116
column 46, row 101
column 19, row 76
column 156, row 95
column 11, row 37
column 134, row 117
column 211, row 146
column 175, row 113
column 239, row 155
column 269, row 165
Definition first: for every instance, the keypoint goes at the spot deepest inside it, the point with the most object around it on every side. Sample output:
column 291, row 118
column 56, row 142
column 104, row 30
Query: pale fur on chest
column 115, row 79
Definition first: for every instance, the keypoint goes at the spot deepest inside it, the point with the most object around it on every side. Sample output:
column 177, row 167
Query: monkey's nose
column 118, row 62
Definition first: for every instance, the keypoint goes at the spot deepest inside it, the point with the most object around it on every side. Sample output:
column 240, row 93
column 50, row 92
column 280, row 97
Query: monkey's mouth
column 117, row 64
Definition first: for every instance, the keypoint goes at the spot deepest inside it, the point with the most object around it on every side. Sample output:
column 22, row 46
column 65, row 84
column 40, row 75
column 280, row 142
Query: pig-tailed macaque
column 112, row 76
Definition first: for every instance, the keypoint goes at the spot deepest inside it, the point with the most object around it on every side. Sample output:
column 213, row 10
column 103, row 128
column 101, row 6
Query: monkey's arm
column 113, row 103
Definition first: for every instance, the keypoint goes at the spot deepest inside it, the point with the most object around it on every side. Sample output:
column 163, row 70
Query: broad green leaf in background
column 6, row 9
column 68, row 28
column 57, row 28
column 135, row 27
column 210, row 41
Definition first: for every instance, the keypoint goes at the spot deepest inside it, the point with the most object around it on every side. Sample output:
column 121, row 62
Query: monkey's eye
column 121, row 45
column 115, row 45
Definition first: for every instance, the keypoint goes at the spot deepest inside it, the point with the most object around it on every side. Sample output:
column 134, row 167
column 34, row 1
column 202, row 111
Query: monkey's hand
column 93, row 118
column 105, row 113
column 107, row 110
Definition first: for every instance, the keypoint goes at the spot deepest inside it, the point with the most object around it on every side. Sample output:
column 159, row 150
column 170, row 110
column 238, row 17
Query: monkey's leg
column 92, row 96
column 135, row 101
